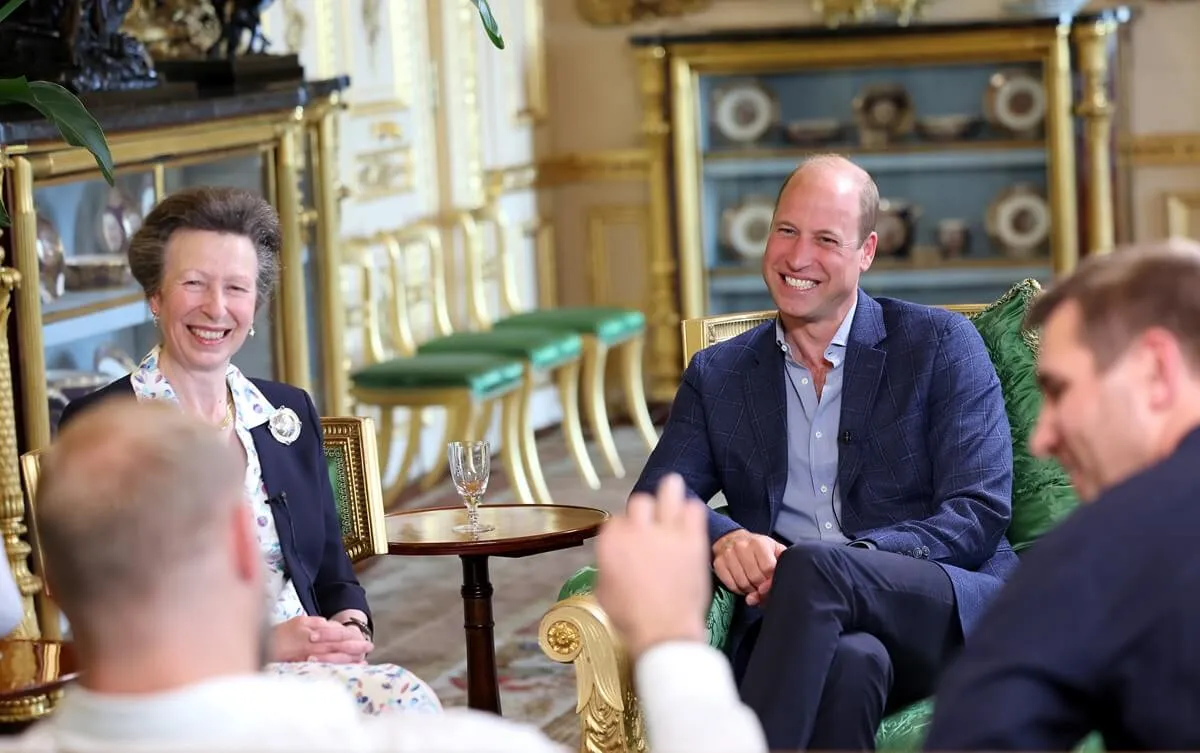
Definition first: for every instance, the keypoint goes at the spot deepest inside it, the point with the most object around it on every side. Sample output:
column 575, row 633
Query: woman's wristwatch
column 362, row 626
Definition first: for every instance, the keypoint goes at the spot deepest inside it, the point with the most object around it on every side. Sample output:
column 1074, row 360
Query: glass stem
column 472, row 510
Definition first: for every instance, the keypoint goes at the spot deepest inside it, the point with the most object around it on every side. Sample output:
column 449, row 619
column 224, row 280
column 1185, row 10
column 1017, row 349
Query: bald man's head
column 868, row 192
column 133, row 498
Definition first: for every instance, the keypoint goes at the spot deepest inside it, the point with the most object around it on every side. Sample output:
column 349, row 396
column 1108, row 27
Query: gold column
column 36, row 403
column 328, row 251
column 293, row 310
column 662, row 309
column 1094, row 42
column 12, row 503
column 1060, row 131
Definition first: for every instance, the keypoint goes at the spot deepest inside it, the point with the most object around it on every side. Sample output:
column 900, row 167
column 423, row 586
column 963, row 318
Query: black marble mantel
column 865, row 31
column 26, row 126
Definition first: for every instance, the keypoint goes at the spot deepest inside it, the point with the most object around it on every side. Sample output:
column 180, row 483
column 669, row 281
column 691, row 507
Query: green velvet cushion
column 905, row 730
column 480, row 373
column 542, row 347
column 1042, row 494
column 609, row 325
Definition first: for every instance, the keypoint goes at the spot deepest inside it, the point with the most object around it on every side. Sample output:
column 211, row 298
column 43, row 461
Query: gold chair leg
column 386, row 436
column 459, row 419
column 533, row 466
column 572, row 428
column 595, row 354
column 635, row 390
column 510, row 450
column 483, row 421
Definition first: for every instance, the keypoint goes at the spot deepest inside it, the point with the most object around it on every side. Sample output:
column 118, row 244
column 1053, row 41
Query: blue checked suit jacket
column 925, row 461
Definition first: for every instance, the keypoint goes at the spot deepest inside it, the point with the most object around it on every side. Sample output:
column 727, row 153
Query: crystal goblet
column 469, row 468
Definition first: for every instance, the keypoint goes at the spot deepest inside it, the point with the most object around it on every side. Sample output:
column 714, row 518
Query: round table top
column 35, row 667
column 520, row 529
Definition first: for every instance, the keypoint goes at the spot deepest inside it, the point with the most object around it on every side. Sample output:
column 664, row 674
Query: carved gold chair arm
column 577, row 631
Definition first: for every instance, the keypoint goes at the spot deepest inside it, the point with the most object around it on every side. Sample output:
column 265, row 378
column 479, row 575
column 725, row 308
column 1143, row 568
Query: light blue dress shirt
column 812, row 503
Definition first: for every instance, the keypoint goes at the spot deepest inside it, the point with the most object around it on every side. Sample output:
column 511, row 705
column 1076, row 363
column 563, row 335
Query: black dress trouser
column 846, row 636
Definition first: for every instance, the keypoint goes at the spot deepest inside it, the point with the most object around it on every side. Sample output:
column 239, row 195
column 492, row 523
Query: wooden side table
column 521, row 531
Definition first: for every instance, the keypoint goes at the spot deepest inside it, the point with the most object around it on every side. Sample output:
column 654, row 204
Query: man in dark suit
column 864, row 451
column 1099, row 630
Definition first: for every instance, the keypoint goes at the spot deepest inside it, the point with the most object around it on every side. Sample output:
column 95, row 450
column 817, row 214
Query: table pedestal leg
column 483, row 686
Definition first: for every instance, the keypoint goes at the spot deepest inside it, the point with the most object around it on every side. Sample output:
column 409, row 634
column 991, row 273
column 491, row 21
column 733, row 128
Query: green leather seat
column 484, row 375
column 608, row 325
column 543, row 348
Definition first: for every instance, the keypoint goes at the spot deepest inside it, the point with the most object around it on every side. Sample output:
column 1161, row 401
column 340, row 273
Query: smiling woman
column 207, row 259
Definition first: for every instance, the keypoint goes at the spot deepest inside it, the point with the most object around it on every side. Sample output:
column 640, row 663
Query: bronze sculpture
column 76, row 43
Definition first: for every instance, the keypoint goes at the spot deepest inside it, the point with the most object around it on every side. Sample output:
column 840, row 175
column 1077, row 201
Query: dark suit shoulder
column 122, row 387
column 915, row 316
column 930, row 327
column 729, row 354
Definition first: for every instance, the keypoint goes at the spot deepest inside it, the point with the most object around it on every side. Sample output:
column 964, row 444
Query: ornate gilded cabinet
column 990, row 144
column 80, row 320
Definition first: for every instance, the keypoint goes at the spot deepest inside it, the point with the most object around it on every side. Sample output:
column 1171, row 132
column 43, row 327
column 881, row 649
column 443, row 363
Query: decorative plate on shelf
column 746, row 226
column 896, row 227
column 50, row 254
column 883, row 113
column 1018, row 219
column 1015, row 101
column 744, row 111
column 119, row 220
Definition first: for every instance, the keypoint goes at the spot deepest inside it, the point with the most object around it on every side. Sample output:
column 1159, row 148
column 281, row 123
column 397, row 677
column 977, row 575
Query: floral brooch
column 285, row 425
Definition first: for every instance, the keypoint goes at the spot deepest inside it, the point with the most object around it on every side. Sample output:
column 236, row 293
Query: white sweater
column 687, row 693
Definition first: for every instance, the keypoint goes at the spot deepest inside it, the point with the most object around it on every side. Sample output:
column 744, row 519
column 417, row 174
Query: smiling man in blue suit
column 864, row 451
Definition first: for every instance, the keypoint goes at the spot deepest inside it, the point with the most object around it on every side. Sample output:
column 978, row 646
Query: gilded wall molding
column 613, row 165
column 530, row 79
column 600, row 219
column 625, row 12
column 1162, row 149
column 1180, row 207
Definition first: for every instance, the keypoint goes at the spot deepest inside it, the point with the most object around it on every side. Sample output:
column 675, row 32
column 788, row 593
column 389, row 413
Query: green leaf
column 7, row 10
column 66, row 112
column 489, row 22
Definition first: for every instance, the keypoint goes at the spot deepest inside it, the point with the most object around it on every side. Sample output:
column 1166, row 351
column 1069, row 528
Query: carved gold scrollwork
column 576, row 631
column 836, row 12
column 12, row 503
column 625, row 12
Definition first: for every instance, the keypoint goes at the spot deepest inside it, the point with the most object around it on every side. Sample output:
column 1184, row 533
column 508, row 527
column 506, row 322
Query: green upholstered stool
column 483, row 375
column 541, row 350
column 610, row 325
column 464, row 384
column 603, row 328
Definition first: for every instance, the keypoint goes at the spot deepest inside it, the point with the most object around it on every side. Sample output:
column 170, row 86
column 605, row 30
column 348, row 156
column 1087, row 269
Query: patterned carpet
column 418, row 611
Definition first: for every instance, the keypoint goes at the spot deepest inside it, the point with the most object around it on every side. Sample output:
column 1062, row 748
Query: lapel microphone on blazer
column 845, row 437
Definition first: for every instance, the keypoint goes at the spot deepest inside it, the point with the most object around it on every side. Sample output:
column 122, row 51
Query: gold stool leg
column 510, row 451
column 568, row 395
column 635, row 390
column 595, row 354
column 484, row 420
column 533, row 466
column 386, row 438
column 412, row 447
